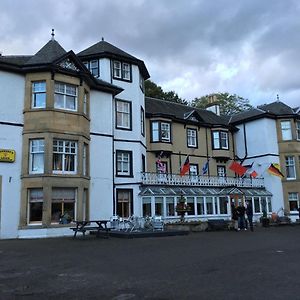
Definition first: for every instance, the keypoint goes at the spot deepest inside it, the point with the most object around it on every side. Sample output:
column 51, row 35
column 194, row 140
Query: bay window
column 65, row 96
column 64, row 156
column 123, row 114
column 38, row 94
column 286, row 130
column 124, row 163
column 35, row 206
column 36, row 156
column 63, row 205
column 290, row 167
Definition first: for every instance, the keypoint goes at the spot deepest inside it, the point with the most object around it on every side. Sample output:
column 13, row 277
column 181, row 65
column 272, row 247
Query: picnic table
column 97, row 226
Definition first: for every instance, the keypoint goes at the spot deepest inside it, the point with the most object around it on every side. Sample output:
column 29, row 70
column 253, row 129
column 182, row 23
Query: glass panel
column 159, row 206
column 286, row 130
column 155, row 132
column 256, row 205
column 200, row 205
column 35, row 205
column 223, row 205
column 170, row 206
column 191, row 204
column 216, row 140
column 209, row 205
column 146, row 206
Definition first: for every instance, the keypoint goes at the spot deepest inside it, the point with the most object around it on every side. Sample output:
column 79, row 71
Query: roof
column 53, row 56
column 105, row 49
column 180, row 112
column 272, row 110
column 48, row 54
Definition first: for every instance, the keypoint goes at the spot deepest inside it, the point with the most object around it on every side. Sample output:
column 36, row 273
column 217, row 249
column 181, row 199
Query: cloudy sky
column 194, row 47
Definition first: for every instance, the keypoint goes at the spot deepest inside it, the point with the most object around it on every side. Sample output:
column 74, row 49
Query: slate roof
column 277, row 108
column 105, row 49
column 48, row 54
column 176, row 111
column 17, row 60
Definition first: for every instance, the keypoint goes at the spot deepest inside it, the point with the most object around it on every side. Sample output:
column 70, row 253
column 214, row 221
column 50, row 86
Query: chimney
column 213, row 104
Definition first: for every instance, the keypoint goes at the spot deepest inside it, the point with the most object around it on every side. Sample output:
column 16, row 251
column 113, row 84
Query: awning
column 199, row 191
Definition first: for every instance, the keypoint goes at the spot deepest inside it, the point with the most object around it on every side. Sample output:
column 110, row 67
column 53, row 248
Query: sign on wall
column 7, row 155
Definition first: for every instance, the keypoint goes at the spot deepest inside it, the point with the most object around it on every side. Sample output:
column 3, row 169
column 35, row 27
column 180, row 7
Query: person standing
column 249, row 213
column 241, row 216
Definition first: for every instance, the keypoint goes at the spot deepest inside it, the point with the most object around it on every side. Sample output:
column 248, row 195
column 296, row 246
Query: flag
column 161, row 167
column 186, row 166
column 250, row 170
column 275, row 170
column 238, row 168
column 205, row 168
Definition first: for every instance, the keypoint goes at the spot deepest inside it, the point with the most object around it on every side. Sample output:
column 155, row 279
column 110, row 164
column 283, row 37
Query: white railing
column 194, row 180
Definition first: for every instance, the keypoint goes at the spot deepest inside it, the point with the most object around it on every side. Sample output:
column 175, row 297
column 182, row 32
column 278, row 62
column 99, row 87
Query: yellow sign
column 7, row 155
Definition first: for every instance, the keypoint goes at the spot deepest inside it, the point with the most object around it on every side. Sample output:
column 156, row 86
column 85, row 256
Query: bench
column 84, row 226
column 217, row 224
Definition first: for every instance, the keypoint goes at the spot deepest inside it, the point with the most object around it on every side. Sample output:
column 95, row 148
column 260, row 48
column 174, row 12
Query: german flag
column 274, row 170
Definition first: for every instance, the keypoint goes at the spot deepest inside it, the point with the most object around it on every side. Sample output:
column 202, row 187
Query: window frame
column 119, row 70
column 293, row 199
column 122, row 173
column 188, row 137
column 286, row 130
column 221, row 174
column 298, row 130
column 288, row 160
column 159, row 132
column 216, row 135
column 122, row 113
column 130, row 207
column 63, row 154
column 35, row 222
column 142, row 121
column 33, row 153
column 65, row 95
column 34, row 94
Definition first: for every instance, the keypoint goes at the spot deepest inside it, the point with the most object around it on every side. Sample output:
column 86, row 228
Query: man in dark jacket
column 241, row 215
column 249, row 212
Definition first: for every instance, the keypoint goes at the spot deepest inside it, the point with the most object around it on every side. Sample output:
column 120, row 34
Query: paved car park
column 263, row 264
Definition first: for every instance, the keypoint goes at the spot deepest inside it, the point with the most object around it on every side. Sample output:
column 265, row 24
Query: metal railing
column 198, row 180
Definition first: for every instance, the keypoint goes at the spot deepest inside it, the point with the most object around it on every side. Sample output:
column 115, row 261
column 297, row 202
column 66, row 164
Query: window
column 220, row 140
column 257, row 208
column 221, row 171
column 200, row 205
column 298, row 130
column 35, row 206
column 191, row 204
column 94, row 67
column 85, row 160
column 159, row 208
column 293, row 201
column 123, row 114
column 142, row 121
column 192, row 138
column 223, row 205
column 170, row 206
column 143, row 163
column 142, row 83
column 124, row 163
column 121, row 70
column 146, row 206
column 63, row 205
column 209, row 205
column 193, row 169
column 65, row 96
column 286, row 131
column 161, row 131
column 36, row 157
column 290, row 167
column 64, row 156
column 38, row 94
column 124, row 203
column 85, row 98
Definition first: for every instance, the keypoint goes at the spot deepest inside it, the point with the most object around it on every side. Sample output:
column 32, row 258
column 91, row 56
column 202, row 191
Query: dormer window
column 121, row 70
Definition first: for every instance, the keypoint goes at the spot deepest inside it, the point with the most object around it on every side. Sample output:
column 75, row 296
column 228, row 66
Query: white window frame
column 123, row 114
column 220, row 140
column 192, row 137
column 290, row 163
column 221, row 171
column 65, row 149
column 38, row 89
column 293, row 197
column 117, row 69
column 92, row 67
column 286, row 130
column 121, row 70
column 123, row 163
column 61, row 90
column 36, row 153
column 165, row 131
column 126, row 71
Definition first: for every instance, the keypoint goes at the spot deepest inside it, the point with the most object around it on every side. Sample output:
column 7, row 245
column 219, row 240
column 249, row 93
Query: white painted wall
column 261, row 139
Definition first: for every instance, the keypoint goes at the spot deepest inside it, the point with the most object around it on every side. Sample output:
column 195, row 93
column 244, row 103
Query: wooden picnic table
column 91, row 225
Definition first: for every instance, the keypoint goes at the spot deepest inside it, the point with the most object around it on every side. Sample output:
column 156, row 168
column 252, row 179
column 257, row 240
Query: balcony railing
column 194, row 180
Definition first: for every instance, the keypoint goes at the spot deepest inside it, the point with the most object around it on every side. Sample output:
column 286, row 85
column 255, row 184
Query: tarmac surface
column 263, row 264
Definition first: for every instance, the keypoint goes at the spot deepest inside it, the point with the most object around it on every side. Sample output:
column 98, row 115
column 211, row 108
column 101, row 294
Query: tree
column 155, row 91
column 229, row 103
